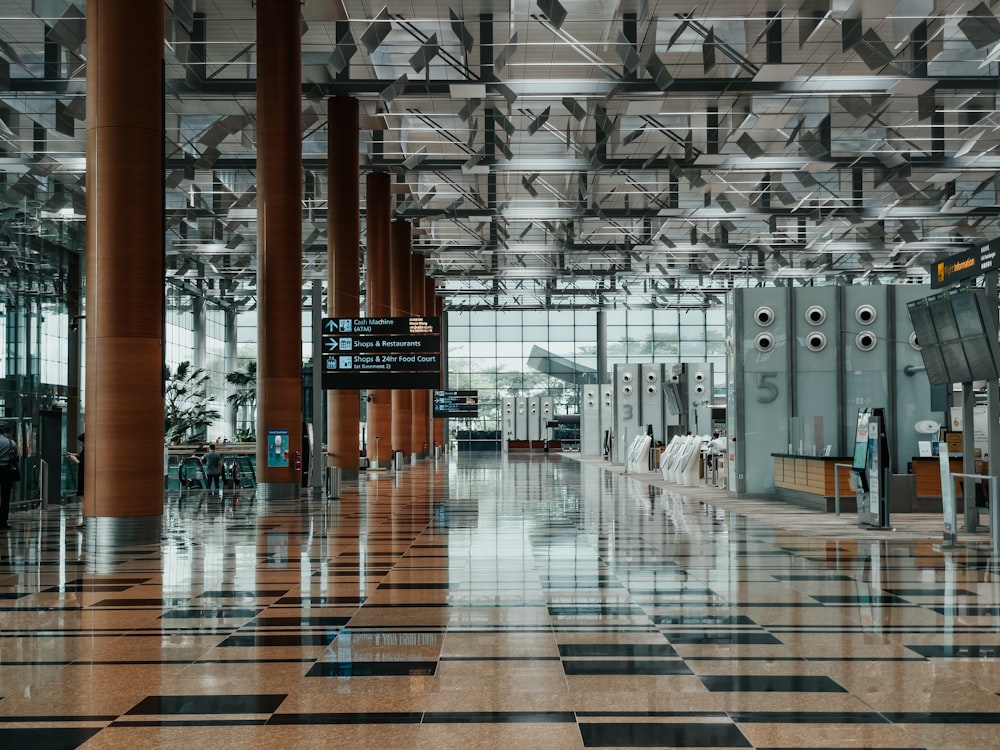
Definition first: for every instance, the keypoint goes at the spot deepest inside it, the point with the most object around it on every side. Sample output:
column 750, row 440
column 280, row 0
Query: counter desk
column 808, row 481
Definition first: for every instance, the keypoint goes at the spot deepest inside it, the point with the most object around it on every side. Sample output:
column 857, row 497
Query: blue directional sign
column 385, row 353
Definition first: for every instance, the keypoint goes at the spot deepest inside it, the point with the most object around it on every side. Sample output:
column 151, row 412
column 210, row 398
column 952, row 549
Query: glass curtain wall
column 550, row 353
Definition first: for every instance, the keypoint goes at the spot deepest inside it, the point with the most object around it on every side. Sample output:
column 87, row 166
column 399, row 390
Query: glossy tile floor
column 485, row 602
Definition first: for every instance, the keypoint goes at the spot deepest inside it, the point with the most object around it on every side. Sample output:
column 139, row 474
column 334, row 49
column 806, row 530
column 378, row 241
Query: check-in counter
column 928, row 476
column 809, row 481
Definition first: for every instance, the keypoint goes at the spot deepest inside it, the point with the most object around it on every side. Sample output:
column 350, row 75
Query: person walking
column 9, row 474
column 212, row 462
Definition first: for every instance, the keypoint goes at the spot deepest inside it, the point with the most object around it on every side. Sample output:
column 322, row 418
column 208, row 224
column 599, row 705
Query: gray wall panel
column 652, row 380
column 590, row 420
column 764, row 349
column 627, row 408
column 816, row 334
column 866, row 373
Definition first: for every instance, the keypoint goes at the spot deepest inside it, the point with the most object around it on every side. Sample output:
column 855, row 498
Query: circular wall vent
column 627, row 390
column 699, row 376
column 764, row 316
column 815, row 315
column 764, row 342
column 626, row 377
column 913, row 341
column 865, row 314
column 651, row 390
column 816, row 341
column 650, row 377
column 866, row 341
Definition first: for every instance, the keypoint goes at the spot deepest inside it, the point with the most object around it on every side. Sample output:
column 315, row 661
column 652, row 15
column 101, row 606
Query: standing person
column 77, row 458
column 9, row 460
column 213, row 467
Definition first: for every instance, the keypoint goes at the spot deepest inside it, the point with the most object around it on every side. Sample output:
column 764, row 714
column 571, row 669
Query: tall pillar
column 419, row 439
column 378, row 293
column 123, row 489
column 343, row 411
column 438, row 303
column 279, row 247
column 402, row 401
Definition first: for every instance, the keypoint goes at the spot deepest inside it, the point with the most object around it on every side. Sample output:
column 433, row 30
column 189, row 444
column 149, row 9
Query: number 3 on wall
column 766, row 390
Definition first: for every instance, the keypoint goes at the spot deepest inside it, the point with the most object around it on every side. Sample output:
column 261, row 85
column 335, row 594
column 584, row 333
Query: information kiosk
column 871, row 469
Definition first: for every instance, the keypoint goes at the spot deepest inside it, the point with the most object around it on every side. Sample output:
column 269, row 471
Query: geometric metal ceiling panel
column 554, row 154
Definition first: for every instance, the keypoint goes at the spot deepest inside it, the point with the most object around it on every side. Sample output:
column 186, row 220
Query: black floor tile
column 499, row 717
column 52, row 738
column 943, row 717
column 256, row 640
column 614, row 667
column 217, row 613
column 662, row 735
column 372, row 669
column 162, row 705
column 770, row 684
column 623, row 650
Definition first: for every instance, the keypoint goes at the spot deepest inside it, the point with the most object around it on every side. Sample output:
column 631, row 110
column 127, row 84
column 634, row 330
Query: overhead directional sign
column 381, row 353
column 965, row 265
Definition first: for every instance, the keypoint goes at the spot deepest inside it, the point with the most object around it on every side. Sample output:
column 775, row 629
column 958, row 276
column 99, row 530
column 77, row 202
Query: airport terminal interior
column 717, row 281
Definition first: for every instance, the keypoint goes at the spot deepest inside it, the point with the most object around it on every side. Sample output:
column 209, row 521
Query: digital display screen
column 455, row 404
column 957, row 342
column 943, row 318
column 923, row 326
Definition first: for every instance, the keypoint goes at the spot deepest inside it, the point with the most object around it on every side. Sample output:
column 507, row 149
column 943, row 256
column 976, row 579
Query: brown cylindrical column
column 378, row 293
column 402, row 401
column 419, row 437
column 123, row 486
column 279, row 246
column 438, row 306
column 343, row 243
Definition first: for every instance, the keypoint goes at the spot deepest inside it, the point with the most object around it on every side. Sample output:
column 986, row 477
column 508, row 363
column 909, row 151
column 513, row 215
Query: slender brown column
column 438, row 305
column 378, row 293
column 402, row 402
column 419, row 439
column 123, row 486
column 343, row 241
column 279, row 245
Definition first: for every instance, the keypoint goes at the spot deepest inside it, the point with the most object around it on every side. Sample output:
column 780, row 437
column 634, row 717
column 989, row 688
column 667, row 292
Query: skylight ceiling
column 564, row 154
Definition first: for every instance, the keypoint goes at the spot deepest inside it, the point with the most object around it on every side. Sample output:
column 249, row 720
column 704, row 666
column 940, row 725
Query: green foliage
column 244, row 399
column 188, row 410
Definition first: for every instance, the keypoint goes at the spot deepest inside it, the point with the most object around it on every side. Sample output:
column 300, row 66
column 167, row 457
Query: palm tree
column 244, row 398
column 187, row 409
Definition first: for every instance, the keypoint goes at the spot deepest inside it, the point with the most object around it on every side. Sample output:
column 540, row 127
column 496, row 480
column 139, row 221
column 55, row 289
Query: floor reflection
column 482, row 593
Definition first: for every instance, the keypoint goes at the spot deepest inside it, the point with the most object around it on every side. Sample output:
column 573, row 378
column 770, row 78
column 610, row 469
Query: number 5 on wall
column 766, row 390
